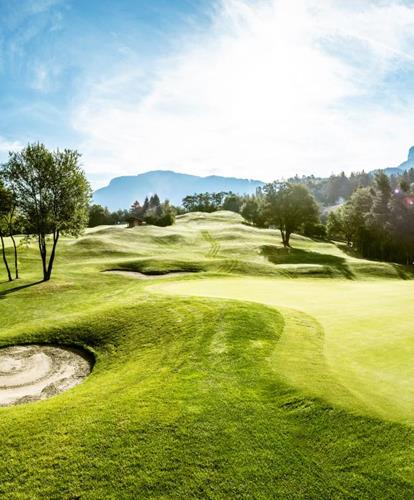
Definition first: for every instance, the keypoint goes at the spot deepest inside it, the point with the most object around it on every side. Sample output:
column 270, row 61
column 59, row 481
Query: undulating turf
column 300, row 388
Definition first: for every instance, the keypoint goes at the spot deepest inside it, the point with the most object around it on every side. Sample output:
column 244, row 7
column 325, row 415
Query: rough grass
column 209, row 397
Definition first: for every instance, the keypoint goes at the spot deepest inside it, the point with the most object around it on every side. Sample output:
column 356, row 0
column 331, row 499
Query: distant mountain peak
column 409, row 163
column 121, row 192
column 405, row 165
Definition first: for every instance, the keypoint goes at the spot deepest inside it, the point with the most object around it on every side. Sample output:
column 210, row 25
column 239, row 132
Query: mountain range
column 123, row 191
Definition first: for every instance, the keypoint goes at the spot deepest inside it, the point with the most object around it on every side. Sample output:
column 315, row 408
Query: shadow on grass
column 156, row 267
column 404, row 272
column 333, row 265
column 18, row 288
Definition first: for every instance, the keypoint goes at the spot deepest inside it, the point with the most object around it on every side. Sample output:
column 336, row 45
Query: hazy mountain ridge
column 404, row 166
column 123, row 191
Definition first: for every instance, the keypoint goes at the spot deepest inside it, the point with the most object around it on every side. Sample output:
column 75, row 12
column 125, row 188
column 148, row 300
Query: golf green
column 359, row 353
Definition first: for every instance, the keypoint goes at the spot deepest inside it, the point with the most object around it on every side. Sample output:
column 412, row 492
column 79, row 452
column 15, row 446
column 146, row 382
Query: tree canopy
column 378, row 222
column 52, row 194
column 289, row 207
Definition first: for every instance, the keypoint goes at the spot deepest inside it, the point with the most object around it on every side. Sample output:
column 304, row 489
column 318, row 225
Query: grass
column 299, row 388
column 362, row 337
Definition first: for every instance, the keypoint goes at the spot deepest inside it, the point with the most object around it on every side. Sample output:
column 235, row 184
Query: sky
column 259, row 89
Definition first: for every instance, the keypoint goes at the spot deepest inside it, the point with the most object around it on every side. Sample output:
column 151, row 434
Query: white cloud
column 6, row 145
column 41, row 79
column 274, row 88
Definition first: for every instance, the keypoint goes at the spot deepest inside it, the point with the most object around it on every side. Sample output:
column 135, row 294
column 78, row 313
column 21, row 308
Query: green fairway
column 299, row 388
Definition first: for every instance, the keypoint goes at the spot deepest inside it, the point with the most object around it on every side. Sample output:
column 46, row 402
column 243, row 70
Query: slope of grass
column 306, row 393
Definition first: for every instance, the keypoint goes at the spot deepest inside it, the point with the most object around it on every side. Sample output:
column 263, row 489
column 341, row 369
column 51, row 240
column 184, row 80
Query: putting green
column 353, row 346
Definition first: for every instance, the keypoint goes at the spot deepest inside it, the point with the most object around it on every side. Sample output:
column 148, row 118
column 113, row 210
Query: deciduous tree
column 289, row 207
column 52, row 194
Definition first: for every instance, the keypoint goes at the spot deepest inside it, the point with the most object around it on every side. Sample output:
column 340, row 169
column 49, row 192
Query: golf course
column 222, row 365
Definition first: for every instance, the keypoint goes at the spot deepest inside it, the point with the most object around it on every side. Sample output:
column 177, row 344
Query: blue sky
column 52, row 50
column 252, row 88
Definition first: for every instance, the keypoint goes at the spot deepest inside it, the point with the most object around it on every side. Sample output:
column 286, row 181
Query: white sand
column 33, row 372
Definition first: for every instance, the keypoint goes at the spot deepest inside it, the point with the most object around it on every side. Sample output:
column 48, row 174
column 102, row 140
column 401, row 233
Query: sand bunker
column 141, row 276
column 34, row 372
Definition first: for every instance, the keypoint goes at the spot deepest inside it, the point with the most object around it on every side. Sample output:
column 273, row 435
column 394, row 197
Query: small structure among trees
column 152, row 212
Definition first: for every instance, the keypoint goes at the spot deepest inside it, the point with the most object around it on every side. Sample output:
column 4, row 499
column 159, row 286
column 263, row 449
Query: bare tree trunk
column 52, row 256
column 282, row 233
column 287, row 239
column 43, row 255
column 5, row 258
column 10, row 227
column 16, row 264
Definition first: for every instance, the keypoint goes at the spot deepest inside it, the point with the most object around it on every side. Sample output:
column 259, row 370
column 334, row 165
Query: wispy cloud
column 6, row 146
column 46, row 78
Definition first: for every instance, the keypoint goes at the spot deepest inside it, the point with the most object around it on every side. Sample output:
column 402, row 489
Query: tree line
column 211, row 202
column 339, row 188
column 327, row 191
column 151, row 212
column 378, row 221
column 101, row 216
